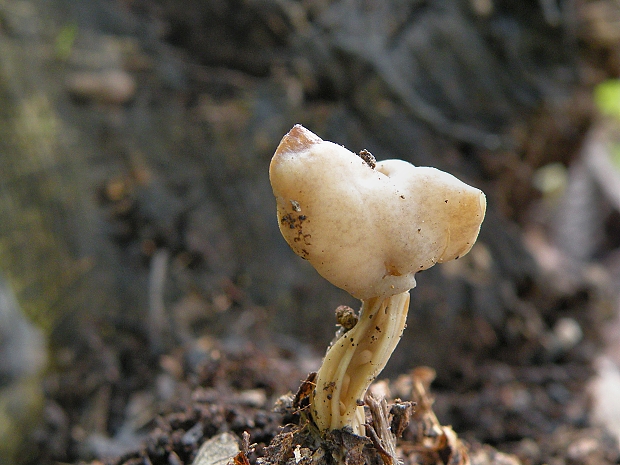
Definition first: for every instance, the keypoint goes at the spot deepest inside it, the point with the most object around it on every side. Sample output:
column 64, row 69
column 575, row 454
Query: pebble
column 604, row 389
column 256, row 398
column 568, row 333
column 217, row 451
column 112, row 86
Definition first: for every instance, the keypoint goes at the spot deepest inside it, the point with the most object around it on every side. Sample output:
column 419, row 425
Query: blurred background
column 138, row 236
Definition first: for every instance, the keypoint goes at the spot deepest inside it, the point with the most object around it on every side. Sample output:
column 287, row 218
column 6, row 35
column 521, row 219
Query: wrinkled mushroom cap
column 368, row 231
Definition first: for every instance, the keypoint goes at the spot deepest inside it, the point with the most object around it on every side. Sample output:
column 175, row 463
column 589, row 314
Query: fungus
column 367, row 228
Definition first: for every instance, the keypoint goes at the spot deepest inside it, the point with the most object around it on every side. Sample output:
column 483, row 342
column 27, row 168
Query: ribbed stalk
column 355, row 360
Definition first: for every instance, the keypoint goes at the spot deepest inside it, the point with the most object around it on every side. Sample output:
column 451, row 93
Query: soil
column 163, row 409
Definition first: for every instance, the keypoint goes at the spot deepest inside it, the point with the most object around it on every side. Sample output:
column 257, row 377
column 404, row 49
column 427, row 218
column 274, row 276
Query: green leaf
column 607, row 97
column 64, row 40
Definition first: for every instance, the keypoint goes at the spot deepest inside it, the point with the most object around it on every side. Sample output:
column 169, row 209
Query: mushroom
column 367, row 228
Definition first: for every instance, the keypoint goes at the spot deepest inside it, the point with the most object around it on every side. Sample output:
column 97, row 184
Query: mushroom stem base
column 355, row 360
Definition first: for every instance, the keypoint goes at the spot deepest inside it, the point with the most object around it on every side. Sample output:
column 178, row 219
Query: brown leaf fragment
column 348, row 448
column 280, row 449
column 380, row 433
column 401, row 416
column 452, row 451
column 302, row 398
column 368, row 158
column 241, row 459
column 346, row 317
column 376, row 441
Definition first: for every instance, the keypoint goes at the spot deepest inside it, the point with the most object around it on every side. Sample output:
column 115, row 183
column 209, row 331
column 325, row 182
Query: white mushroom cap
column 369, row 230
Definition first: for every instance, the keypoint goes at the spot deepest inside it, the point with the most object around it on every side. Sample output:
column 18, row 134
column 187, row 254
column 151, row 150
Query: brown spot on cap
column 297, row 139
column 391, row 270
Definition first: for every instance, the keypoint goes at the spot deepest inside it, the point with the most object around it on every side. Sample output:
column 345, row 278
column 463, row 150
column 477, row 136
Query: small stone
column 193, row 435
column 217, row 451
column 253, row 398
column 568, row 333
column 108, row 86
column 582, row 448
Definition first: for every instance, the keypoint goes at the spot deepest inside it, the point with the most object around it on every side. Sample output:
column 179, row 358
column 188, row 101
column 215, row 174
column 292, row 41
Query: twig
column 157, row 310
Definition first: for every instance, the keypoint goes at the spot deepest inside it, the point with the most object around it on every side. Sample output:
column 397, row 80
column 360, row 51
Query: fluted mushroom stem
column 355, row 360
